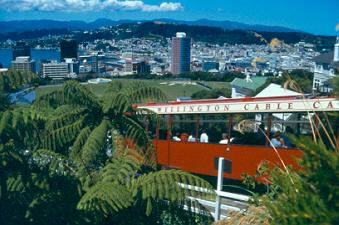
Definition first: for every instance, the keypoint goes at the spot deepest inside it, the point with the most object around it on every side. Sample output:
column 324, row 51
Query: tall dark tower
column 181, row 54
column 21, row 49
column 69, row 49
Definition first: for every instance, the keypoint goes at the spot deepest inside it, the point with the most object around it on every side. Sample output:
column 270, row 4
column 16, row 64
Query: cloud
column 87, row 5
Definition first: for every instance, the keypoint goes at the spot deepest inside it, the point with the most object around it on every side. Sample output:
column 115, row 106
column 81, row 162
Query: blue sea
column 37, row 55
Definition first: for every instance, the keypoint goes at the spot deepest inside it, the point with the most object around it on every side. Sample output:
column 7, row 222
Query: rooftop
column 275, row 90
column 253, row 84
column 326, row 58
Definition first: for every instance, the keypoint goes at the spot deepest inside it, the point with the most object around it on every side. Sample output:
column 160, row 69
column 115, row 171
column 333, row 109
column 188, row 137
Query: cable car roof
column 244, row 105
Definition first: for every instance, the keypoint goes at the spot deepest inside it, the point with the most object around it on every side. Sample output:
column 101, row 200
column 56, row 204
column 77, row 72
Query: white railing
column 218, row 205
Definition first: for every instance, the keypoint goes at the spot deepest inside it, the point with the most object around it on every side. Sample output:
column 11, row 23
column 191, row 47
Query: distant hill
column 230, row 25
column 26, row 25
column 166, row 29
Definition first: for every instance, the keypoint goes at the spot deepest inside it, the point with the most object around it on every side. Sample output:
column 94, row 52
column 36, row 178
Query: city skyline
column 320, row 17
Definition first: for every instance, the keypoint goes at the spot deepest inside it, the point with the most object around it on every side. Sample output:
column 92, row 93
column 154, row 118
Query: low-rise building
column 210, row 65
column 246, row 87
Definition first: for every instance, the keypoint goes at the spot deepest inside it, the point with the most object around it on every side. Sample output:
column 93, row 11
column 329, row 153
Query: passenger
column 224, row 139
column 277, row 141
column 176, row 137
column 204, row 137
column 191, row 138
column 184, row 137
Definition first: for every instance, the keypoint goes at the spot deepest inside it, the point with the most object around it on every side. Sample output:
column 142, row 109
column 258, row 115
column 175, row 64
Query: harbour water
column 37, row 55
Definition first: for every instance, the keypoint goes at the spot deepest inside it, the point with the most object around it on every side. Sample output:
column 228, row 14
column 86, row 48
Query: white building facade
column 55, row 70
column 325, row 66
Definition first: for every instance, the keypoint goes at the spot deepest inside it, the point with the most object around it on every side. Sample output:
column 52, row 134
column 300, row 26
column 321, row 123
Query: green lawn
column 218, row 85
column 172, row 91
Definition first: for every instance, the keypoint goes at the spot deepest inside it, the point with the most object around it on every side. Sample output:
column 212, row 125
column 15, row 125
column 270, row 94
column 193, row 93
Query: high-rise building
column 23, row 63
column 68, row 49
column 21, row 49
column 181, row 53
column 97, row 62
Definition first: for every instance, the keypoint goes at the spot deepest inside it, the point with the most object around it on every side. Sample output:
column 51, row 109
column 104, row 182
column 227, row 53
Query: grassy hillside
column 170, row 88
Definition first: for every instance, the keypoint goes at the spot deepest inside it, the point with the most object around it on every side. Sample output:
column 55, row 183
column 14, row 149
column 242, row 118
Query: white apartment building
column 55, row 70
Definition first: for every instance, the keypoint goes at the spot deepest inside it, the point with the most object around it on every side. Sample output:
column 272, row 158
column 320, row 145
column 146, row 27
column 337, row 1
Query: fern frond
column 116, row 104
column 15, row 184
column 113, row 87
column 120, row 171
column 72, row 93
column 164, row 184
column 58, row 138
column 105, row 198
column 75, row 151
column 145, row 93
column 64, row 119
column 134, row 131
column 94, row 150
column 77, row 94
column 5, row 121
column 56, row 163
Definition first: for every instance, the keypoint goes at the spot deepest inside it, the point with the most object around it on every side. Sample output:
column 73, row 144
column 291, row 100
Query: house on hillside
column 246, row 87
column 325, row 68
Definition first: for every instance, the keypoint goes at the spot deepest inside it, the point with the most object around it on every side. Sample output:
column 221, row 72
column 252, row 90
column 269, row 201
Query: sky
column 314, row 16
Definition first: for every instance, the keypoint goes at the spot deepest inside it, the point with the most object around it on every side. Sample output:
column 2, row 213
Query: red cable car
column 243, row 131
